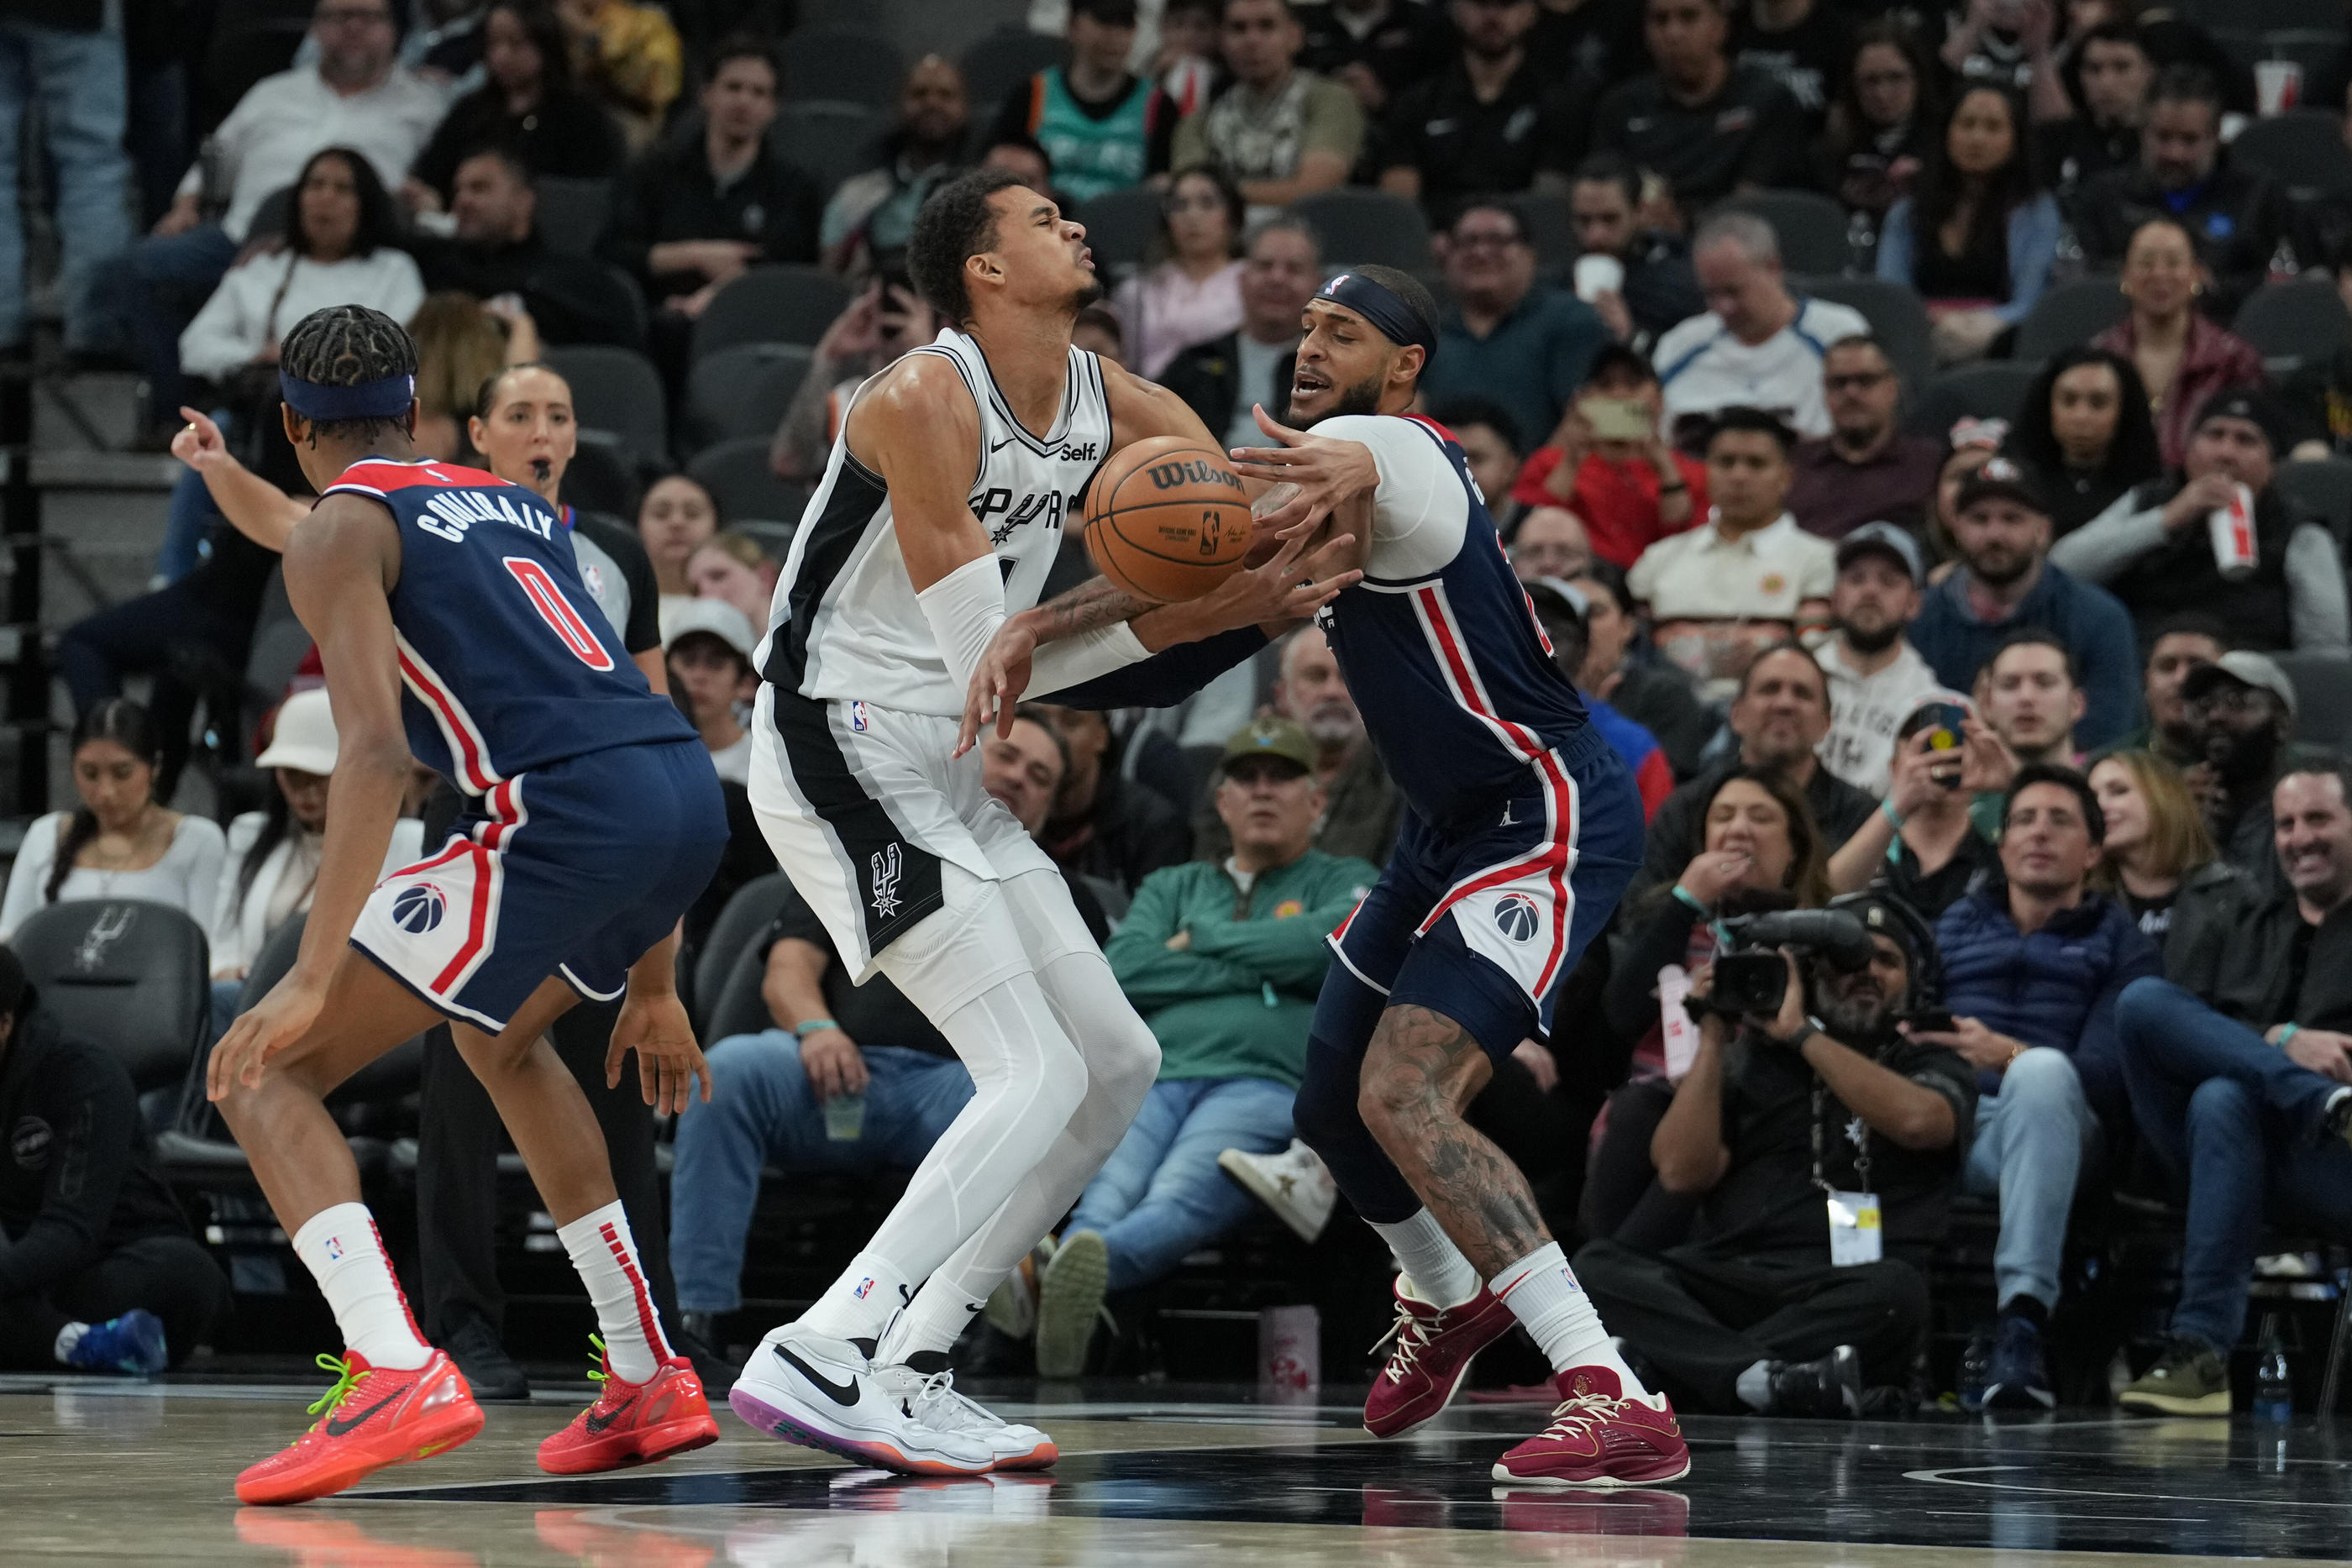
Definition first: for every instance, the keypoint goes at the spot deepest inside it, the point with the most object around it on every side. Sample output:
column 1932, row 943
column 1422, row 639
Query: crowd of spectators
column 1996, row 685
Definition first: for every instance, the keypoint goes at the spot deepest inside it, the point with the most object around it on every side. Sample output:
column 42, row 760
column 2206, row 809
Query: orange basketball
column 1167, row 519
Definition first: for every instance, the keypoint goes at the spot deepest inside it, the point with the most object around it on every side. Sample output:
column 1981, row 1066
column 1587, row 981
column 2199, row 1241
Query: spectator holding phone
column 1608, row 463
column 1922, row 839
column 886, row 319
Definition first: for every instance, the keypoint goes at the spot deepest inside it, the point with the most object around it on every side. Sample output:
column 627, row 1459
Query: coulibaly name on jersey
column 1192, row 471
column 450, row 513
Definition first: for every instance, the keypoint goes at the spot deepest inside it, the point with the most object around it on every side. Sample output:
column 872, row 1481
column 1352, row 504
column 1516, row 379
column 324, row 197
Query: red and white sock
column 344, row 1253
column 606, row 1258
column 1542, row 1293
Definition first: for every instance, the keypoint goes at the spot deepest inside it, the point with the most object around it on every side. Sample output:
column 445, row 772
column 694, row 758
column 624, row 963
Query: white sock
column 1543, row 1295
column 933, row 1322
column 344, row 1252
column 69, row 1337
column 1434, row 1269
column 606, row 1256
column 1754, row 1387
column 860, row 1304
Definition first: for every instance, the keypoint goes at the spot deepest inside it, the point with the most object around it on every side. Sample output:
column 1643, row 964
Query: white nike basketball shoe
column 825, row 1394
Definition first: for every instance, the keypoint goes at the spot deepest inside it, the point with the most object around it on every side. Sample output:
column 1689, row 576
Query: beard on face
column 1856, row 1011
column 1090, row 292
column 2242, row 758
column 1364, row 397
column 1333, row 723
column 1863, row 642
column 1997, row 567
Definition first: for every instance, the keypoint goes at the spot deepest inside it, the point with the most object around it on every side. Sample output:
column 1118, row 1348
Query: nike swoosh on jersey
column 597, row 1423
column 336, row 1426
column 842, row 1393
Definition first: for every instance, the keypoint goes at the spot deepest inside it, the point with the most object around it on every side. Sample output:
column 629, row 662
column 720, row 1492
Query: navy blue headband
column 1380, row 305
column 386, row 399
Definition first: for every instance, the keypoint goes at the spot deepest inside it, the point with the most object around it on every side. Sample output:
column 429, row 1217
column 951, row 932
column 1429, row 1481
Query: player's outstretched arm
column 254, row 507
column 340, row 566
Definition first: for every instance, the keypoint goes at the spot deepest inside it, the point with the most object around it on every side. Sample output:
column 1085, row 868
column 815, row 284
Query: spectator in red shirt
column 1631, row 492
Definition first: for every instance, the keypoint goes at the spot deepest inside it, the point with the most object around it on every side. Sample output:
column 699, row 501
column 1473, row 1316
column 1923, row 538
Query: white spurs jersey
column 845, row 622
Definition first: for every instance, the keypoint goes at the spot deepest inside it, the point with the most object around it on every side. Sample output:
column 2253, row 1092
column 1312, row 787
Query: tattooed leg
column 1420, row 1072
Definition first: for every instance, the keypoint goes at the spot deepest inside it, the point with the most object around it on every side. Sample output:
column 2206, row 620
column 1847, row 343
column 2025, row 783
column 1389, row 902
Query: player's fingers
column 648, row 1076
column 702, row 1071
column 1274, row 427
column 613, row 1060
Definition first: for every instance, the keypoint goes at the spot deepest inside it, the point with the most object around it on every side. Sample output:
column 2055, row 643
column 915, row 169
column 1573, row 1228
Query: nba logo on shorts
column 418, row 909
column 1517, row 917
column 857, row 717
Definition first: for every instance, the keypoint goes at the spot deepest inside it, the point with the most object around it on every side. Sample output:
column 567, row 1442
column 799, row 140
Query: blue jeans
column 2232, row 1121
column 2028, row 1152
column 1161, row 1194
column 763, row 1112
column 79, row 78
column 150, row 294
column 190, row 523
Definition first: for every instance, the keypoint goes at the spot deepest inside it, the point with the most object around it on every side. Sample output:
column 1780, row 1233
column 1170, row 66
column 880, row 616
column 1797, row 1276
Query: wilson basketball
column 1167, row 519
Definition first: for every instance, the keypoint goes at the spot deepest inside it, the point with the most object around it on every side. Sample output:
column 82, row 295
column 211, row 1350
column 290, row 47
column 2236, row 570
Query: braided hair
column 127, row 725
column 349, row 346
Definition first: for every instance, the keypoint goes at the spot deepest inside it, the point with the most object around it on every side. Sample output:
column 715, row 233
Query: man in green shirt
column 1224, row 962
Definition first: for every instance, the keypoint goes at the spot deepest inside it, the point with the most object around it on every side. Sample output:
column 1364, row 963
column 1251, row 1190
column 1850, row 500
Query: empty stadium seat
column 2322, row 689
column 2303, row 150
column 1120, row 227
column 127, row 974
column 1896, row 318
column 617, row 390
column 1358, row 226
column 2069, row 314
column 843, row 67
column 790, row 304
column 1811, row 227
column 2322, row 489
column 752, row 910
column 737, row 473
column 1002, row 61
column 2295, row 324
column 742, row 391
column 1993, row 390
column 830, row 140
column 571, row 212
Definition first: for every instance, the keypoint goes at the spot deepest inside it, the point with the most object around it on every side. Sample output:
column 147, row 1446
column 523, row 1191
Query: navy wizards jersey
column 506, row 662
column 1451, row 670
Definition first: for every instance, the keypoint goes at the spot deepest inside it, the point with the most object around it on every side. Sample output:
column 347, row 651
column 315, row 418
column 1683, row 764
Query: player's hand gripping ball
column 1168, row 519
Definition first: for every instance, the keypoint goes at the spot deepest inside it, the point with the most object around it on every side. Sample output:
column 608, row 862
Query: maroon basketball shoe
column 1600, row 1437
column 1434, row 1346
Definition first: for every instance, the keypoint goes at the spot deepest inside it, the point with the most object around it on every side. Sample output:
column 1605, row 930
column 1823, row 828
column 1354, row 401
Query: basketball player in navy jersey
column 943, row 504
column 1521, row 831
column 453, row 624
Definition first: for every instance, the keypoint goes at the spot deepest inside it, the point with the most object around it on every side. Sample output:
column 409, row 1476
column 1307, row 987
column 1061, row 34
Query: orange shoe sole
column 436, row 1434
column 1041, row 1458
column 623, row 1449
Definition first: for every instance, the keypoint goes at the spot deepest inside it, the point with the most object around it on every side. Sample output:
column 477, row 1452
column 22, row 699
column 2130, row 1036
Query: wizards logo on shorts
column 1516, row 917
column 418, row 909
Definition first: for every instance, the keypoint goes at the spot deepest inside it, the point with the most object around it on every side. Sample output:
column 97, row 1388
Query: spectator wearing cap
column 1865, row 468
column 2180, row 644
column 2034, row 962
column 1224, row 961
column 1655, row 288
column 707, row 644
column 2240, row 709
column 100, row 1273
column 1630, row 489
column 1563, row 609
column 1760, row 1310
column 2000, row 526
column 2154, row 550
column 1105, row 127
column 1507, row 336
column 1223, row 379
column 1281, row 132
column 1757, row 346
column 1876, row 679
column 1924, row 839
column 1749, row 576
column 2241, row 1093
column 1490, row 119
column 871, row 214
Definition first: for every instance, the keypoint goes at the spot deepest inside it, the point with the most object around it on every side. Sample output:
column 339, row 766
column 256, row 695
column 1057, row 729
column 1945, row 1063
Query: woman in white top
column 339, row 250
column 1194, row 295
column 122, row 842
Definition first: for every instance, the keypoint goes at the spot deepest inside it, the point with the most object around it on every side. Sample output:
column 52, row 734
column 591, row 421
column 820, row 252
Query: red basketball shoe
column 633, row 1423
column 372, row 1416
column 1434, row 1346
column 1600, row 1437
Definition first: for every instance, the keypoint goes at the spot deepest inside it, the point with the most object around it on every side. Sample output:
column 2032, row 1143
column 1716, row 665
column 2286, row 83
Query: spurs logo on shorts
column 884, row 868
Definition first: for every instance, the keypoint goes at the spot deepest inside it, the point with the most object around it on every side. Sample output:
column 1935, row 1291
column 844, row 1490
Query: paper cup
column 1598, row 275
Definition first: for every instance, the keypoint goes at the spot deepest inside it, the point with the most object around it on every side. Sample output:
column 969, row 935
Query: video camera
column 1751, row 979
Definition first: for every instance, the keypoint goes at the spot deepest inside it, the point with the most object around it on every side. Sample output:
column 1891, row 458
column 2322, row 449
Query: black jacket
column 78, row 1179
column 1129, row 832
column 669, row 193
column 2239, row 218
column 572, row 299
column 2253, row 986
column 1208, row 377
column 2215, row 902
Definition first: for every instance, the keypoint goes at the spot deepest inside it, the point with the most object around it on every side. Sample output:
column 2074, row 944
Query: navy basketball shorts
column 573, row 870
column 1479, row 924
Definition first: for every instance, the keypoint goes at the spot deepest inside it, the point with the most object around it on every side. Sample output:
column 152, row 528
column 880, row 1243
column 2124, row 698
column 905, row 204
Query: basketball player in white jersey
column 947, row 496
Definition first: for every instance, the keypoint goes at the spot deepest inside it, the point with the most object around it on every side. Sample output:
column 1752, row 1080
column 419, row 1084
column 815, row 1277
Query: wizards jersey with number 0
column 506, row 663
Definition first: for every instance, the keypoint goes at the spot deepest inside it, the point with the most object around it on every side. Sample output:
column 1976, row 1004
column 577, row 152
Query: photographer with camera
column 2033, row 963
column 1822, row 1144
